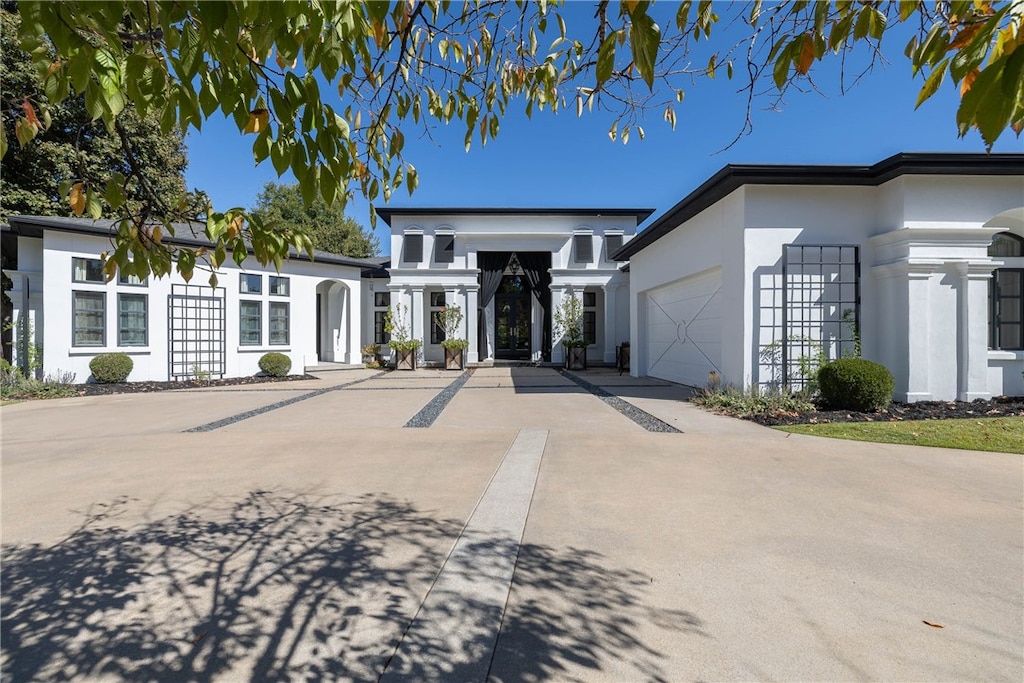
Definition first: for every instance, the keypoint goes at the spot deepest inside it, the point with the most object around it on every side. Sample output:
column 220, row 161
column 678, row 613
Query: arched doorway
column 333, row 322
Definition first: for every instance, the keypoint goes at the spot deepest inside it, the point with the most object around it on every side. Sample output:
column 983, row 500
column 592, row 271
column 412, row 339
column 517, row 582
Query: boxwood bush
column 111, row 367
column 856, row 384
column 275, row 364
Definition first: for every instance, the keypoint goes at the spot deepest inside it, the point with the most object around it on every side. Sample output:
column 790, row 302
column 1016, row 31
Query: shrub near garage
column 275, row 364
column 111, row 367
column 856, row 384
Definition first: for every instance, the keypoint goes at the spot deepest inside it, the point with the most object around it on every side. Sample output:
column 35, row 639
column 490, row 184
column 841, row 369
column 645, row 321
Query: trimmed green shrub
column 111, row 367
column 275, row 364
column 856, row 384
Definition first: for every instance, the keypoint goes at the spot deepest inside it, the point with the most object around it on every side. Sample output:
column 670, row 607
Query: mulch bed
column 93, row 389
column 1002, row 406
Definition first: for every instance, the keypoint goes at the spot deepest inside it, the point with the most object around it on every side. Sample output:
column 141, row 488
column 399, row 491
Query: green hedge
column 275, row 364
column 111, row 367
column 856, row 384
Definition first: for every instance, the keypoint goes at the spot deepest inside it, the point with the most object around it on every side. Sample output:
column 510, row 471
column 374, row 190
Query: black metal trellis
column 196, row 332
column 820, row 307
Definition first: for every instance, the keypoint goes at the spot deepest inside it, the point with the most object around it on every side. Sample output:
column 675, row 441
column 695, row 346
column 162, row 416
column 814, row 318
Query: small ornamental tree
column 569, row 322
column 450, row 320
column 396, row 323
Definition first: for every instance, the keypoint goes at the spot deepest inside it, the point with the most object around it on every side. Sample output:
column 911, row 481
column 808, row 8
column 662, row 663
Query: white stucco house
column 918, row 259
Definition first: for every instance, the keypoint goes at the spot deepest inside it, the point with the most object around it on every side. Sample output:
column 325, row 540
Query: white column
column 558, row 292
column 972, row 320
column 918, row 341
column 472, row 302
column 610, row 322
column 417, row 323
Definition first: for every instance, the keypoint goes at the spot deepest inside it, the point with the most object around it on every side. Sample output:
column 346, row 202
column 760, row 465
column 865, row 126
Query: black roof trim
column 734, row 176
column 386, row 213
column 33, row 226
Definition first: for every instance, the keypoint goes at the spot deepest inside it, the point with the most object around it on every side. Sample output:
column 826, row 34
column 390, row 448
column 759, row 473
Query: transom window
column 1006, row 294
column 250, row 283
column 87, row 270
column 132, row 280
column 280, row 285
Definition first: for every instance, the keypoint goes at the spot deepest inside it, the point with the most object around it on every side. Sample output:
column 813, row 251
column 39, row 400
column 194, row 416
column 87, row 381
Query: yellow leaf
column 968, row 81
column 77, row 199
column 803, row 64
column 259, row 119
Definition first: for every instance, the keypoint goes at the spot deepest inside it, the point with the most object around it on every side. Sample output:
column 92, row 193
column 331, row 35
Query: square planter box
column 575, row 357
column 454, row 359
column 405, row 360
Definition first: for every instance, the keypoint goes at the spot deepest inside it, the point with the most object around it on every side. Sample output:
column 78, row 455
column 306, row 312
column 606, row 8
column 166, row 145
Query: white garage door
column 684, row 329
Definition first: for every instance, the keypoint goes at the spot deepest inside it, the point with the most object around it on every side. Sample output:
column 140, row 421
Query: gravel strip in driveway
column 432, row 410
column 641, row 417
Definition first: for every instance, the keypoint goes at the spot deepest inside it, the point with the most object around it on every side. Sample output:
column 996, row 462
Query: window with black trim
column 613, row 242
column 87, row 270
column 381, row 304
column 89, row 314
column 590, row 317
column 132, row 320
column 280, row 285
column 279, row 323
column 436, row 329
column 132, row 281
column 412, row 248
column 1006, row 294
column 250, row 317
column 250, row 283
column 444, row 248
column 583, row 248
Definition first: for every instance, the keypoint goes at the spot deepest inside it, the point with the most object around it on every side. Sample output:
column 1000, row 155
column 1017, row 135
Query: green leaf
column 645, row 37
column 605, row 59
column 932, row 83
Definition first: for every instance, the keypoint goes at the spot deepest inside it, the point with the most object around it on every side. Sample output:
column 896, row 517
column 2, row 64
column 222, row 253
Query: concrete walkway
column 531, row 532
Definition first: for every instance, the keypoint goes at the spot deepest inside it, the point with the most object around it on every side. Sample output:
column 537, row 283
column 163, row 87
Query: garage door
column 684, row 329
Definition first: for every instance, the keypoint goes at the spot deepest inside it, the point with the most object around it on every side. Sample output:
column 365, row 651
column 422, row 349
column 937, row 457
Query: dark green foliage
column 856, row 384
column 74, row 147
column 328, row 226
column 275, row 364
column 111, row 367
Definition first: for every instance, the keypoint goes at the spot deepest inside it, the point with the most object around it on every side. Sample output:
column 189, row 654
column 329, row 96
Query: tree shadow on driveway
column 289, row 586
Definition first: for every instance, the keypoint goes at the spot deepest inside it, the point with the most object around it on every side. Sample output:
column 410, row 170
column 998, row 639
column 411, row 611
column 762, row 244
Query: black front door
column 513, row 314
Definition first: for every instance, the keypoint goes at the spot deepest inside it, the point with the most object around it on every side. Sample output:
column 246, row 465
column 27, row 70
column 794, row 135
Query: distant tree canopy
column 73, row 147
column 400, row 67
column 328, row 226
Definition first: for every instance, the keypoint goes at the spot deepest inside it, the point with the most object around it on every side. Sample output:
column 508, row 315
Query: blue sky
column 565, row 161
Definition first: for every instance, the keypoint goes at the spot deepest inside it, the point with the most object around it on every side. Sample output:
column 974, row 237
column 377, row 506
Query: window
column 279, row 285
column 412, row 248
column 131, row 320
column 87, row 270
column 590, row 317
column 444, row 248
column 436, row 329
column 279, row 323
column 132, row 281
column 1006, row 294
column 88, row 314
column 250, row 284
column 583, row 248
column 251, row 323
column 613, row 242
column 381, row 302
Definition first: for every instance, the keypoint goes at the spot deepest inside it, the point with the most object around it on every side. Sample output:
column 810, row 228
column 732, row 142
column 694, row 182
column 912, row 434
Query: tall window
column 590, row 317
column 88, row 315
column 87, row 270
column 251, row 323
column 1006, row 293
column 131, row 320
column 436, row 329
column 279, row 323
column 444, row 248
column 381, row 303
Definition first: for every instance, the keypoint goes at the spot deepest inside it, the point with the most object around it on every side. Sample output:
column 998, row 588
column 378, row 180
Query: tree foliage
column 327, row 225
column 74, row 147
column 403, row 66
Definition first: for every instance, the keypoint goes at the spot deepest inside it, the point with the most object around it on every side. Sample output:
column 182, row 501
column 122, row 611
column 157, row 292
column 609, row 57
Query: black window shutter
column 614, row 243
column 583, row 246
column 413, row 249
column 444, row 248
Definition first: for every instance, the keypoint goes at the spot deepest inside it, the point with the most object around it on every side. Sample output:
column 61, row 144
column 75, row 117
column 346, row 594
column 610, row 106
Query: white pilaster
column 972, row 318
column 610, row 322
column 472, row 303
column 558, row 292
column 417, row 322
column 918, row 340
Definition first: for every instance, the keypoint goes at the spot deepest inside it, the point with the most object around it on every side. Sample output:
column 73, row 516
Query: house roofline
column 387, row 213
column 33, row 226
column 733, row 176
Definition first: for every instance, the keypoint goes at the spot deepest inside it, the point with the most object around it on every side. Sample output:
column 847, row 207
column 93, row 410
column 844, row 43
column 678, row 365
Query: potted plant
column 403, row 345
column 568, row 320
column 450, row 320
column 371, row 355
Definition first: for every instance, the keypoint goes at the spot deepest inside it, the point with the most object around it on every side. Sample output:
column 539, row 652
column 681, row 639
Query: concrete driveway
column 511, row 524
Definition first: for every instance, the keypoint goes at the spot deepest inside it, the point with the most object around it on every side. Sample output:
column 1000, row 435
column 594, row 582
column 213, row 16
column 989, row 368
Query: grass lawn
column 1003, row 434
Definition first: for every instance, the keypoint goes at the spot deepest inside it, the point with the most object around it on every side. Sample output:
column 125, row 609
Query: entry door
column 512, row 325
